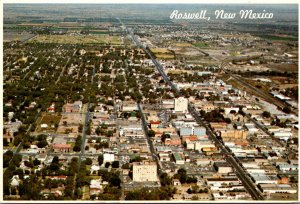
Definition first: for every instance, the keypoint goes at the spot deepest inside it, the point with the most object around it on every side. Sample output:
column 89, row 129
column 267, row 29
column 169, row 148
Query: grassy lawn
column 72, row 144
column 86, row 194
column 94, row 177
column 201, row 44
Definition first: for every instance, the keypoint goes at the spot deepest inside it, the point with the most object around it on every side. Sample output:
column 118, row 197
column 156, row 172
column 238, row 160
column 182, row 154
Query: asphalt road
column 145, row 127
column 248, row 184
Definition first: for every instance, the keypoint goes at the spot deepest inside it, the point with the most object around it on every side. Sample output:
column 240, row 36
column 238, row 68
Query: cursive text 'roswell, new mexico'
column 222, row 15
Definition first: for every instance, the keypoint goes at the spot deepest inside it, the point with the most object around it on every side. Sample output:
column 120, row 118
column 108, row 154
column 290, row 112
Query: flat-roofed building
column 144, row 171
column 61, row 147
column 223, row 167
column 181, row 104
column 178, row 158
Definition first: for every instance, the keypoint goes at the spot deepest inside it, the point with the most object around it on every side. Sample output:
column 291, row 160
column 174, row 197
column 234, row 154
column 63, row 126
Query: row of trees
column 78, row 142
column 162, row 193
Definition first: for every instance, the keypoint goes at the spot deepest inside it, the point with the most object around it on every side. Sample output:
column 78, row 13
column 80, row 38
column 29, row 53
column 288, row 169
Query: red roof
column 155, row 122
column 62, row 146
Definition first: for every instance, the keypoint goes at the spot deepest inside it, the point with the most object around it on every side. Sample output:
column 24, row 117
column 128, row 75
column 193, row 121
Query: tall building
column 144, row 171
column 181, row 104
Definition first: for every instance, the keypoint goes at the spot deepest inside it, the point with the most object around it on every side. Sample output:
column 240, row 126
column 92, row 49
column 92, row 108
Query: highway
column 248, row 184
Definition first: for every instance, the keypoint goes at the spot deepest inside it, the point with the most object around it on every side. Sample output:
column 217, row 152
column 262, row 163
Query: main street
column 86, row 123
column 151, row 146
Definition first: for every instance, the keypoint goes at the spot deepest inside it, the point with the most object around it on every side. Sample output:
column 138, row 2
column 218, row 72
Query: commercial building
column 222, row 167
column 178, row 158
column 277, row 188
column 181, row 104
column 237, row 134
column 61, row 147
column 144, row 171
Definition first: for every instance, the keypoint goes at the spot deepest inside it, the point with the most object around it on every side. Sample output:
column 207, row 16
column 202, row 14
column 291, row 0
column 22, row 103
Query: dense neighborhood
column 157, row 111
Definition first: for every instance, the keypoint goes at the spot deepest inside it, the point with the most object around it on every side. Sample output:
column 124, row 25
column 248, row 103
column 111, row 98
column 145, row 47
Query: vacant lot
column 178, row 71
column 162, row 53
column 283, row 67
column 183, row 44
column 52, row 120
column 201, row 44
column 80, row 39
column 70, row 122
column 186, row 50
column 11, row 36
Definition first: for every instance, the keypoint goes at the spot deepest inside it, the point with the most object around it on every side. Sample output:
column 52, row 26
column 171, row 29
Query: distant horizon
column 287, row 12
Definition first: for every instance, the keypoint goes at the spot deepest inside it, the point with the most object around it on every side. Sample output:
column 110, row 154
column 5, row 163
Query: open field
column 283, row 67
column 36, row 24
column 284, row 86
column 160, row 50
column 50, row 120
column 178, row 71
column 162, row 53
column 188, row 51
column 183, row 44
column 68, row 39
column 11, row 36
column 263, row 86
column 279, row 37
column 247, row 67
column 201, row 45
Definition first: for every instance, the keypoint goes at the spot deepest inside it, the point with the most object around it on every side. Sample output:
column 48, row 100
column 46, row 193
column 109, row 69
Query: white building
column 108, row 157
column 227, row 110
column 277, row 188
column 144, row 171
column 262, row 178
column 181, row 104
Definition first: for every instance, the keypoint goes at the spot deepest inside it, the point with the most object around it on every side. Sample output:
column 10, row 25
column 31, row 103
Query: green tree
column 266, row 114
column 100, row 159
column 107, row 164
column 115, row 164
column 287, row 110
column 36, row 162
column 151, row 133
column 88, row 161
column 5, row 142
column 42, row 144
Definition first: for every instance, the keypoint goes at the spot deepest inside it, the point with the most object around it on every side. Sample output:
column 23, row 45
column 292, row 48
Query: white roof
column 95, row 183
column 95, row 168
column 15, row 181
